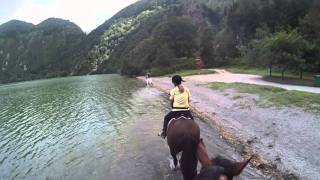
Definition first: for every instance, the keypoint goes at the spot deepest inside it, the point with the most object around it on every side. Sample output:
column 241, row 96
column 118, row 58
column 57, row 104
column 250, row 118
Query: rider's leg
column 167, row 118
column 166, row 121
column 188, row 113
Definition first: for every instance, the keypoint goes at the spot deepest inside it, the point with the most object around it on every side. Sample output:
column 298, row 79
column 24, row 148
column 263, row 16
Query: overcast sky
column 88, row 14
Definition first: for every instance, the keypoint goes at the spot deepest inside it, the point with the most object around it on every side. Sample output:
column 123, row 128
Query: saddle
column 179, row 116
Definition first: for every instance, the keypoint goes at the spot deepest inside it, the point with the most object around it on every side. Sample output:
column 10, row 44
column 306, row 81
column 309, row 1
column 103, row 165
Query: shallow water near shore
column 89, row 127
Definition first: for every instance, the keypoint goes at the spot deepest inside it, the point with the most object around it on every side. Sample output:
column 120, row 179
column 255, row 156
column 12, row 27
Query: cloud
column 88, row 14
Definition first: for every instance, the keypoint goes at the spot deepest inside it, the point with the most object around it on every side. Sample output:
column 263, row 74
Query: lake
column 88, row 127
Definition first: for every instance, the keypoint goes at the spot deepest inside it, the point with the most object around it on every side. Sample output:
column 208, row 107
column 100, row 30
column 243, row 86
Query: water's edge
column 231, row 139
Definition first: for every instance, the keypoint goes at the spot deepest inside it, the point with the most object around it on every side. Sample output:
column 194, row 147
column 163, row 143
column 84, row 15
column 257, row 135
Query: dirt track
column 286, row 138
column 225, row 76
column 145, row 156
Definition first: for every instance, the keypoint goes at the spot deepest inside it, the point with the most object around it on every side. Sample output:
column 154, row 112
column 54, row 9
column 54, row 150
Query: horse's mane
column 217, row 167
column 210, row 173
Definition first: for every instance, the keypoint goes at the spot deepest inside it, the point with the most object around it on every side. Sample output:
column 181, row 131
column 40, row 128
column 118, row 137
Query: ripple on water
column 58, row 124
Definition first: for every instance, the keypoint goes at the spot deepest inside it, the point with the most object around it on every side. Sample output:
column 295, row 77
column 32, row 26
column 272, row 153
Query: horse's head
column 217, row 168
column 222, row 169
column 229, row 168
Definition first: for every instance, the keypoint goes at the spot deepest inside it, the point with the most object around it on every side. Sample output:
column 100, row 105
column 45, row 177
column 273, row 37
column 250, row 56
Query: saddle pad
column 174, row 119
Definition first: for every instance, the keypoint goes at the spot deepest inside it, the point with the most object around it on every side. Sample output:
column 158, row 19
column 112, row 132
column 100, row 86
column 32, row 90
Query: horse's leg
column 173, row 164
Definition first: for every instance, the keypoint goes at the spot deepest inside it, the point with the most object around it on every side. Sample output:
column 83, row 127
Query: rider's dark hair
column 176, row 80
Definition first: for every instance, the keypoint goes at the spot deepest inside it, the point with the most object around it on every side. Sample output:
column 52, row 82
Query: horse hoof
column 178, row 166
column 172, row 166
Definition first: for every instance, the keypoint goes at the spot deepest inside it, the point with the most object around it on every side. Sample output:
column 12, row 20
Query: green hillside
column 141, row 40
column 164, row 36
column 31, row 52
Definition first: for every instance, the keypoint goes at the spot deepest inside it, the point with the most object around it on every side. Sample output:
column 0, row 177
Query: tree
column 224, row 48
column 207, row 50
column 177, row 33
column 243, row 19
column 288, row 49
column 310, row 24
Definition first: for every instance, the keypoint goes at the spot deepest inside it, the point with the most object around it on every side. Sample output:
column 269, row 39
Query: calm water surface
column 69, row 127
column 89, row 127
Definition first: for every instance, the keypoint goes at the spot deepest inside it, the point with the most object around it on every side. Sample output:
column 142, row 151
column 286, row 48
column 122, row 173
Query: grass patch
column 192, row 72
column 245, row 88
column 291, row 80
column 289, row 77
column 274, row 96
column 264, row 71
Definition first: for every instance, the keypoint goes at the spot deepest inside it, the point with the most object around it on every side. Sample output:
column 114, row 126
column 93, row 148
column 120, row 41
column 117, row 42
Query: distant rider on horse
column 180, row 99
column 149, row 80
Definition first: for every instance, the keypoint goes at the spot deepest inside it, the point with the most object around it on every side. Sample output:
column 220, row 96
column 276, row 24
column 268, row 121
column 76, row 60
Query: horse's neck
column 203, row 156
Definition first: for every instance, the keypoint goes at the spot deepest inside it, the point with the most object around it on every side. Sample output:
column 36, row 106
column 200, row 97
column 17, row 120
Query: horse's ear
column 201, row 142
column 239, row 166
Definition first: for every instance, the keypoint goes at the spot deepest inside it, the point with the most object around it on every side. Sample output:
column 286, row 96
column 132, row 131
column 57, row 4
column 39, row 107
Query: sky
column 88, row 14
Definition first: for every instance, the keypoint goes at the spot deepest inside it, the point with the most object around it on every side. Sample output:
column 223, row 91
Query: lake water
column 88, row 127
column 64, row 127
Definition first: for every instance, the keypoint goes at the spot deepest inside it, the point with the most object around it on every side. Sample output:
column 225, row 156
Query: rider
column 180, row 98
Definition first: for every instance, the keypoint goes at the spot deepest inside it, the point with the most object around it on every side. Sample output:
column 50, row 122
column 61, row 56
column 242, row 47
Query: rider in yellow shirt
column 180, row 98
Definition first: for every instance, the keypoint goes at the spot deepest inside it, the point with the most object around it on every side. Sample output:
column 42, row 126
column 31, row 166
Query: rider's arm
column 171, row 98
column 189, row 95
column 172, row 103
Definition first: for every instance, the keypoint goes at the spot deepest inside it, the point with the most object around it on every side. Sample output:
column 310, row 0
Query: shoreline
column 276, row 159
column 245, row 151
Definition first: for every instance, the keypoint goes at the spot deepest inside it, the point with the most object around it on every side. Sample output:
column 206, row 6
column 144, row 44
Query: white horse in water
column 149, row 82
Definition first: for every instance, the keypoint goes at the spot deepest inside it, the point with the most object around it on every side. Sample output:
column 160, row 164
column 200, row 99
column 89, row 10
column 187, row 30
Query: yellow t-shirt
column 180, row 100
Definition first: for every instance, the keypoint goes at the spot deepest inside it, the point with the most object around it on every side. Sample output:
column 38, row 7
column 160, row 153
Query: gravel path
column 286, row 138
column 225, row 76
column 145, row 156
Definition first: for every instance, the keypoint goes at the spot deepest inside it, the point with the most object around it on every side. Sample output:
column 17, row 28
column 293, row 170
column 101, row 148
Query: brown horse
column 217, row 168
column 183, row 135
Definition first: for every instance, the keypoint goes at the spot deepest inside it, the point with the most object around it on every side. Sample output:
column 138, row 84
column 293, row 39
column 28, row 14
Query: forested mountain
column 30, row 51
column 162, row 36
column 157, row 35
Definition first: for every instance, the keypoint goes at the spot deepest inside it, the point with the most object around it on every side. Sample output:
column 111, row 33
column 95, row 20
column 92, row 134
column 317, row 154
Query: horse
column 183, row 135
column 217, row 168
column 149, row 82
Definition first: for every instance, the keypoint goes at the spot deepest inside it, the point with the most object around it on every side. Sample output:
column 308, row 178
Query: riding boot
column 165, row 124
column 163, row 134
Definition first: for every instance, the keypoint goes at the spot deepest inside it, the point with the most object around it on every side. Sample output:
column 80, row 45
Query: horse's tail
column 190, row 144
column 189, row 159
